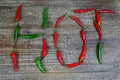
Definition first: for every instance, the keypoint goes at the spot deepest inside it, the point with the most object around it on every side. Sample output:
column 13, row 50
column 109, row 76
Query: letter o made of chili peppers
column 83, row 52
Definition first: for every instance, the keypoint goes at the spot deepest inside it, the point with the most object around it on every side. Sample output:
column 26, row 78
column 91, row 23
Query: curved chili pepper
column 98, row 30
column 59, row 56
column 31, row 36
column 40, row 65
column 18, row 13
column 97, row 15
column 107, row 11
column 14, row 58
column 77, row 20
column 83, row 10
column 16, row 33
column 44, row 52
column 74, row 64
column 55, row 38
column 59, row 20
column 83, row 35
column 83, row 53
column 45, row 17
column 99, row 52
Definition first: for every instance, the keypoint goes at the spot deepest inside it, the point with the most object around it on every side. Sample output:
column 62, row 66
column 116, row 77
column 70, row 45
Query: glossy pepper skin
column 45, row 18
column 74, row 64
column 107, row 11
column 77, row 20
column 99, row 52
column 31, row 36
column 40, row 65
column 59, row 56
column 83, row 36
column 97, row 15
column 44, row 50
column 18, row 13
column 14, row 58
column 16, row 33
column 83, row 53
column 83, row 10
column 60, row 19
column 97, row 26
column 55, row 38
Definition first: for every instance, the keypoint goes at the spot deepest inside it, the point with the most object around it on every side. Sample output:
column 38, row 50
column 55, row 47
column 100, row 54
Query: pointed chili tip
column 100, row 62
column 46, row 7
column 20, row 5
column 41, row 34
column 16, row 69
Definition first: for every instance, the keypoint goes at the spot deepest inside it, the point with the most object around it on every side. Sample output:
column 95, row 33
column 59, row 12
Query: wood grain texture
column 70, row 42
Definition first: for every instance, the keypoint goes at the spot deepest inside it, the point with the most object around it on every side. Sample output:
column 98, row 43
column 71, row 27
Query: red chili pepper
column 55, row 37
column 59, row 56
column 83, row 10
column 97, row 15
column 98, row 30
column 83, row 53
column 44, row 52
column 77, row 20
column 74, row 64
column 59, row 20
column 14, row 58
column 18, row 13
column 107, row 11
column 83, row 35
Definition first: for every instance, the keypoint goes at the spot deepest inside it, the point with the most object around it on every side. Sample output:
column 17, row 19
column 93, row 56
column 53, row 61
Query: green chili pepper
column 39, row 65
column 45, row 18
column 16, row 33
column 31, row 36
column 99, row 52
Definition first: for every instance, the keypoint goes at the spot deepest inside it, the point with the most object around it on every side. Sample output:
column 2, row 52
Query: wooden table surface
column 70, row 42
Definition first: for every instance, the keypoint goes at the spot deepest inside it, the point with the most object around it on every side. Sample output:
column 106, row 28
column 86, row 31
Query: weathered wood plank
column 70, row 42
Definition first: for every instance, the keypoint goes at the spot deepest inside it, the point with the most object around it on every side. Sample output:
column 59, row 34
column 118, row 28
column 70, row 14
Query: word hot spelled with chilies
column 45, row 25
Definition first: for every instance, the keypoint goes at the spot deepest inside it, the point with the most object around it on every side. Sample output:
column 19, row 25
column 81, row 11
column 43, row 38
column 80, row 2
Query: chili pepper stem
column 65, row 14
column 55, row 30
column 81, row 60
column 14, row 48
column 73, row 10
